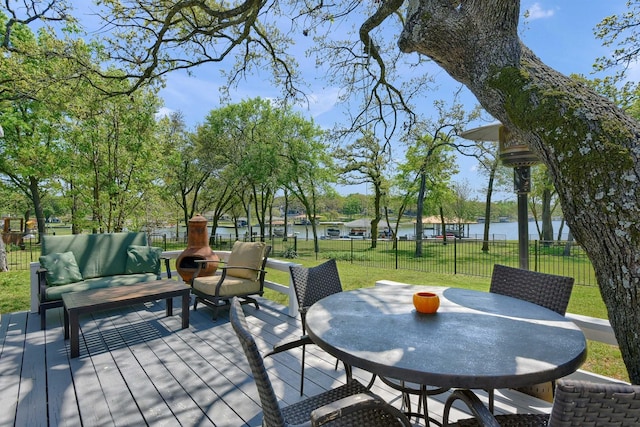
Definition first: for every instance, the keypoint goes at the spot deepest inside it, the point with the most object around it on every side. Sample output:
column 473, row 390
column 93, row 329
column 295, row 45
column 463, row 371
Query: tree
column 354, row 204
column 462, row 204
column 33, row 90
column 489, row 160
column 432, row 160
column 366, row 161
column 4, row 266
column 404, row 192
column 307, row 166
column 566, row 124
column 247, row 133
column 184, row 177
column 543, row 191
column 432, row 156
column 114, row 152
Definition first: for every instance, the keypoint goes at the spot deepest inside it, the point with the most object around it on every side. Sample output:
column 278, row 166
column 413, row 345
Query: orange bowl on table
column 426, row 302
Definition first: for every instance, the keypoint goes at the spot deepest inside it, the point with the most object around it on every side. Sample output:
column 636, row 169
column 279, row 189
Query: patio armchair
column 347, row 405
column 548, row 290
column 576, row 403
column 242, row 276
column 310, row 285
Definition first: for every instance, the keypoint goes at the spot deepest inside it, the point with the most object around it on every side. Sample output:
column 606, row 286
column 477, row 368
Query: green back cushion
column 62, row 268
column 96, row 254
column 143, row 259
column 246, row 254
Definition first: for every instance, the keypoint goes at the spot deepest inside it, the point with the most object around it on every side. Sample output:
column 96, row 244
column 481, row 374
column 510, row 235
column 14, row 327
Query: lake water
column 497, row 231
column 510, row 230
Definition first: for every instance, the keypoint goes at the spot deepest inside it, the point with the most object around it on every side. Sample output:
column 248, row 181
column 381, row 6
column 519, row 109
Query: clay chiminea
column 197, row 249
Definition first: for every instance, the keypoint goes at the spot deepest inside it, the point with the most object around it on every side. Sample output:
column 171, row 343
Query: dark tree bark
column 487, row 207
column 547, row 223
column 568, row 125
column 4, row 265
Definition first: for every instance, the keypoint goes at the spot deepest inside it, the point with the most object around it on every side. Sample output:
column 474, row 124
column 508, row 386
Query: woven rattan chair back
column 547, row 290
column 314, row 283
column 272, row 415
column 581, row 403
column 577, row 404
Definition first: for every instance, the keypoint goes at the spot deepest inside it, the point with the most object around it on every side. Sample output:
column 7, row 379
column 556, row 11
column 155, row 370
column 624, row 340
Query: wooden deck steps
column 137, row 367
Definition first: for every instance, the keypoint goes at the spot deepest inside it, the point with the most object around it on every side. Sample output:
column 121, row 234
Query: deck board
column 33, row 385
column 138, row 367
column 62, row 399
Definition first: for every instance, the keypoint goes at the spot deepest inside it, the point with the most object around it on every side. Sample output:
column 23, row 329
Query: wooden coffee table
column 77, row 303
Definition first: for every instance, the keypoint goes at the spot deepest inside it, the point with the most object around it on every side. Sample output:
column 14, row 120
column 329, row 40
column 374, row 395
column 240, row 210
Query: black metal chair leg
column 304, row 348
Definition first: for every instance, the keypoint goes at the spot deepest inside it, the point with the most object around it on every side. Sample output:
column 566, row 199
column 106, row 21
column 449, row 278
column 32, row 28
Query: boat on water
column 358, row 233
column 333, row 232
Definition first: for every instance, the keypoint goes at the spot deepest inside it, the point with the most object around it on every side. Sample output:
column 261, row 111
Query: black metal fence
column 455, row 256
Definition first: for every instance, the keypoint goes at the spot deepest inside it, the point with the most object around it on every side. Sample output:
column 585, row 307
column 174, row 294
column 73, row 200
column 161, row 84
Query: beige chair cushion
column 230, row 287
column 246, row 254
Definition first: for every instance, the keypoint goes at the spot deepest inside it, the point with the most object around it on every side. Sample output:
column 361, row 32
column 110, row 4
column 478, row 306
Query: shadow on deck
column 137, row 367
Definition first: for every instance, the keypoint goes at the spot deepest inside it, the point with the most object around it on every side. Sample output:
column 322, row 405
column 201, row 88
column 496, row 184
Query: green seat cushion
column 143, row 259
column 54, row 293
column 61, row 268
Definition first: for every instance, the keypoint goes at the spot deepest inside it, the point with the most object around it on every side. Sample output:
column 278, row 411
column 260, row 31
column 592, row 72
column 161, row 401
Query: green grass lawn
column 602, row 358
column 15, row 291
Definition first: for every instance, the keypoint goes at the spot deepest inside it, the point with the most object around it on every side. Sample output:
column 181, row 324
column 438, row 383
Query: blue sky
column 560, row 32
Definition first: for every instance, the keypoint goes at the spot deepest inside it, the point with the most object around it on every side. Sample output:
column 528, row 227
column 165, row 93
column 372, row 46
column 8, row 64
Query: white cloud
column 633, row 72
column 537, row 12
column 163, row 112
column 320, row 103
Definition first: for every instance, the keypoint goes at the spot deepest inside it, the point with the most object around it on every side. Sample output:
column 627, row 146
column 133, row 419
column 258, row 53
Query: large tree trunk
column 419, row 212
column 589, row 146
column 547, row 223
column 4, row 264
column 37, row 205
column 487, row 208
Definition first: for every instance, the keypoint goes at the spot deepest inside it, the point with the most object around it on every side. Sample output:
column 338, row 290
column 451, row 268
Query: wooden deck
column 137, row 367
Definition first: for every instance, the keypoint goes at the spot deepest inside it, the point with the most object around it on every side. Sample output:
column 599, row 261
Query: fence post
column 351, row 240
column 455, row 255
column 395, row 243
column 536, row 255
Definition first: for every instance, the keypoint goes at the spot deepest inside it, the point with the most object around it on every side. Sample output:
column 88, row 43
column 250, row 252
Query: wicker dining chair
column 548, row 290
column 576, row 403
column 310, row 285
column 348, row 405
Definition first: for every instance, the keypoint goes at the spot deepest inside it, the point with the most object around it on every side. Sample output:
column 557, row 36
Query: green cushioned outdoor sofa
column 91, row 261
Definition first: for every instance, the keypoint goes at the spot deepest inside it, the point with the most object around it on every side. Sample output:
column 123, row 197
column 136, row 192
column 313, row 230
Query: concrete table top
column 476, row 339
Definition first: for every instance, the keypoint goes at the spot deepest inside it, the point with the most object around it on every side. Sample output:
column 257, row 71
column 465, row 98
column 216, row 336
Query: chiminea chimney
column 197, row 249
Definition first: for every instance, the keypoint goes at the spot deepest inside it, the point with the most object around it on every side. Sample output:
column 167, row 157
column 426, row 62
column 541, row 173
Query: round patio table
column 476, row 340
